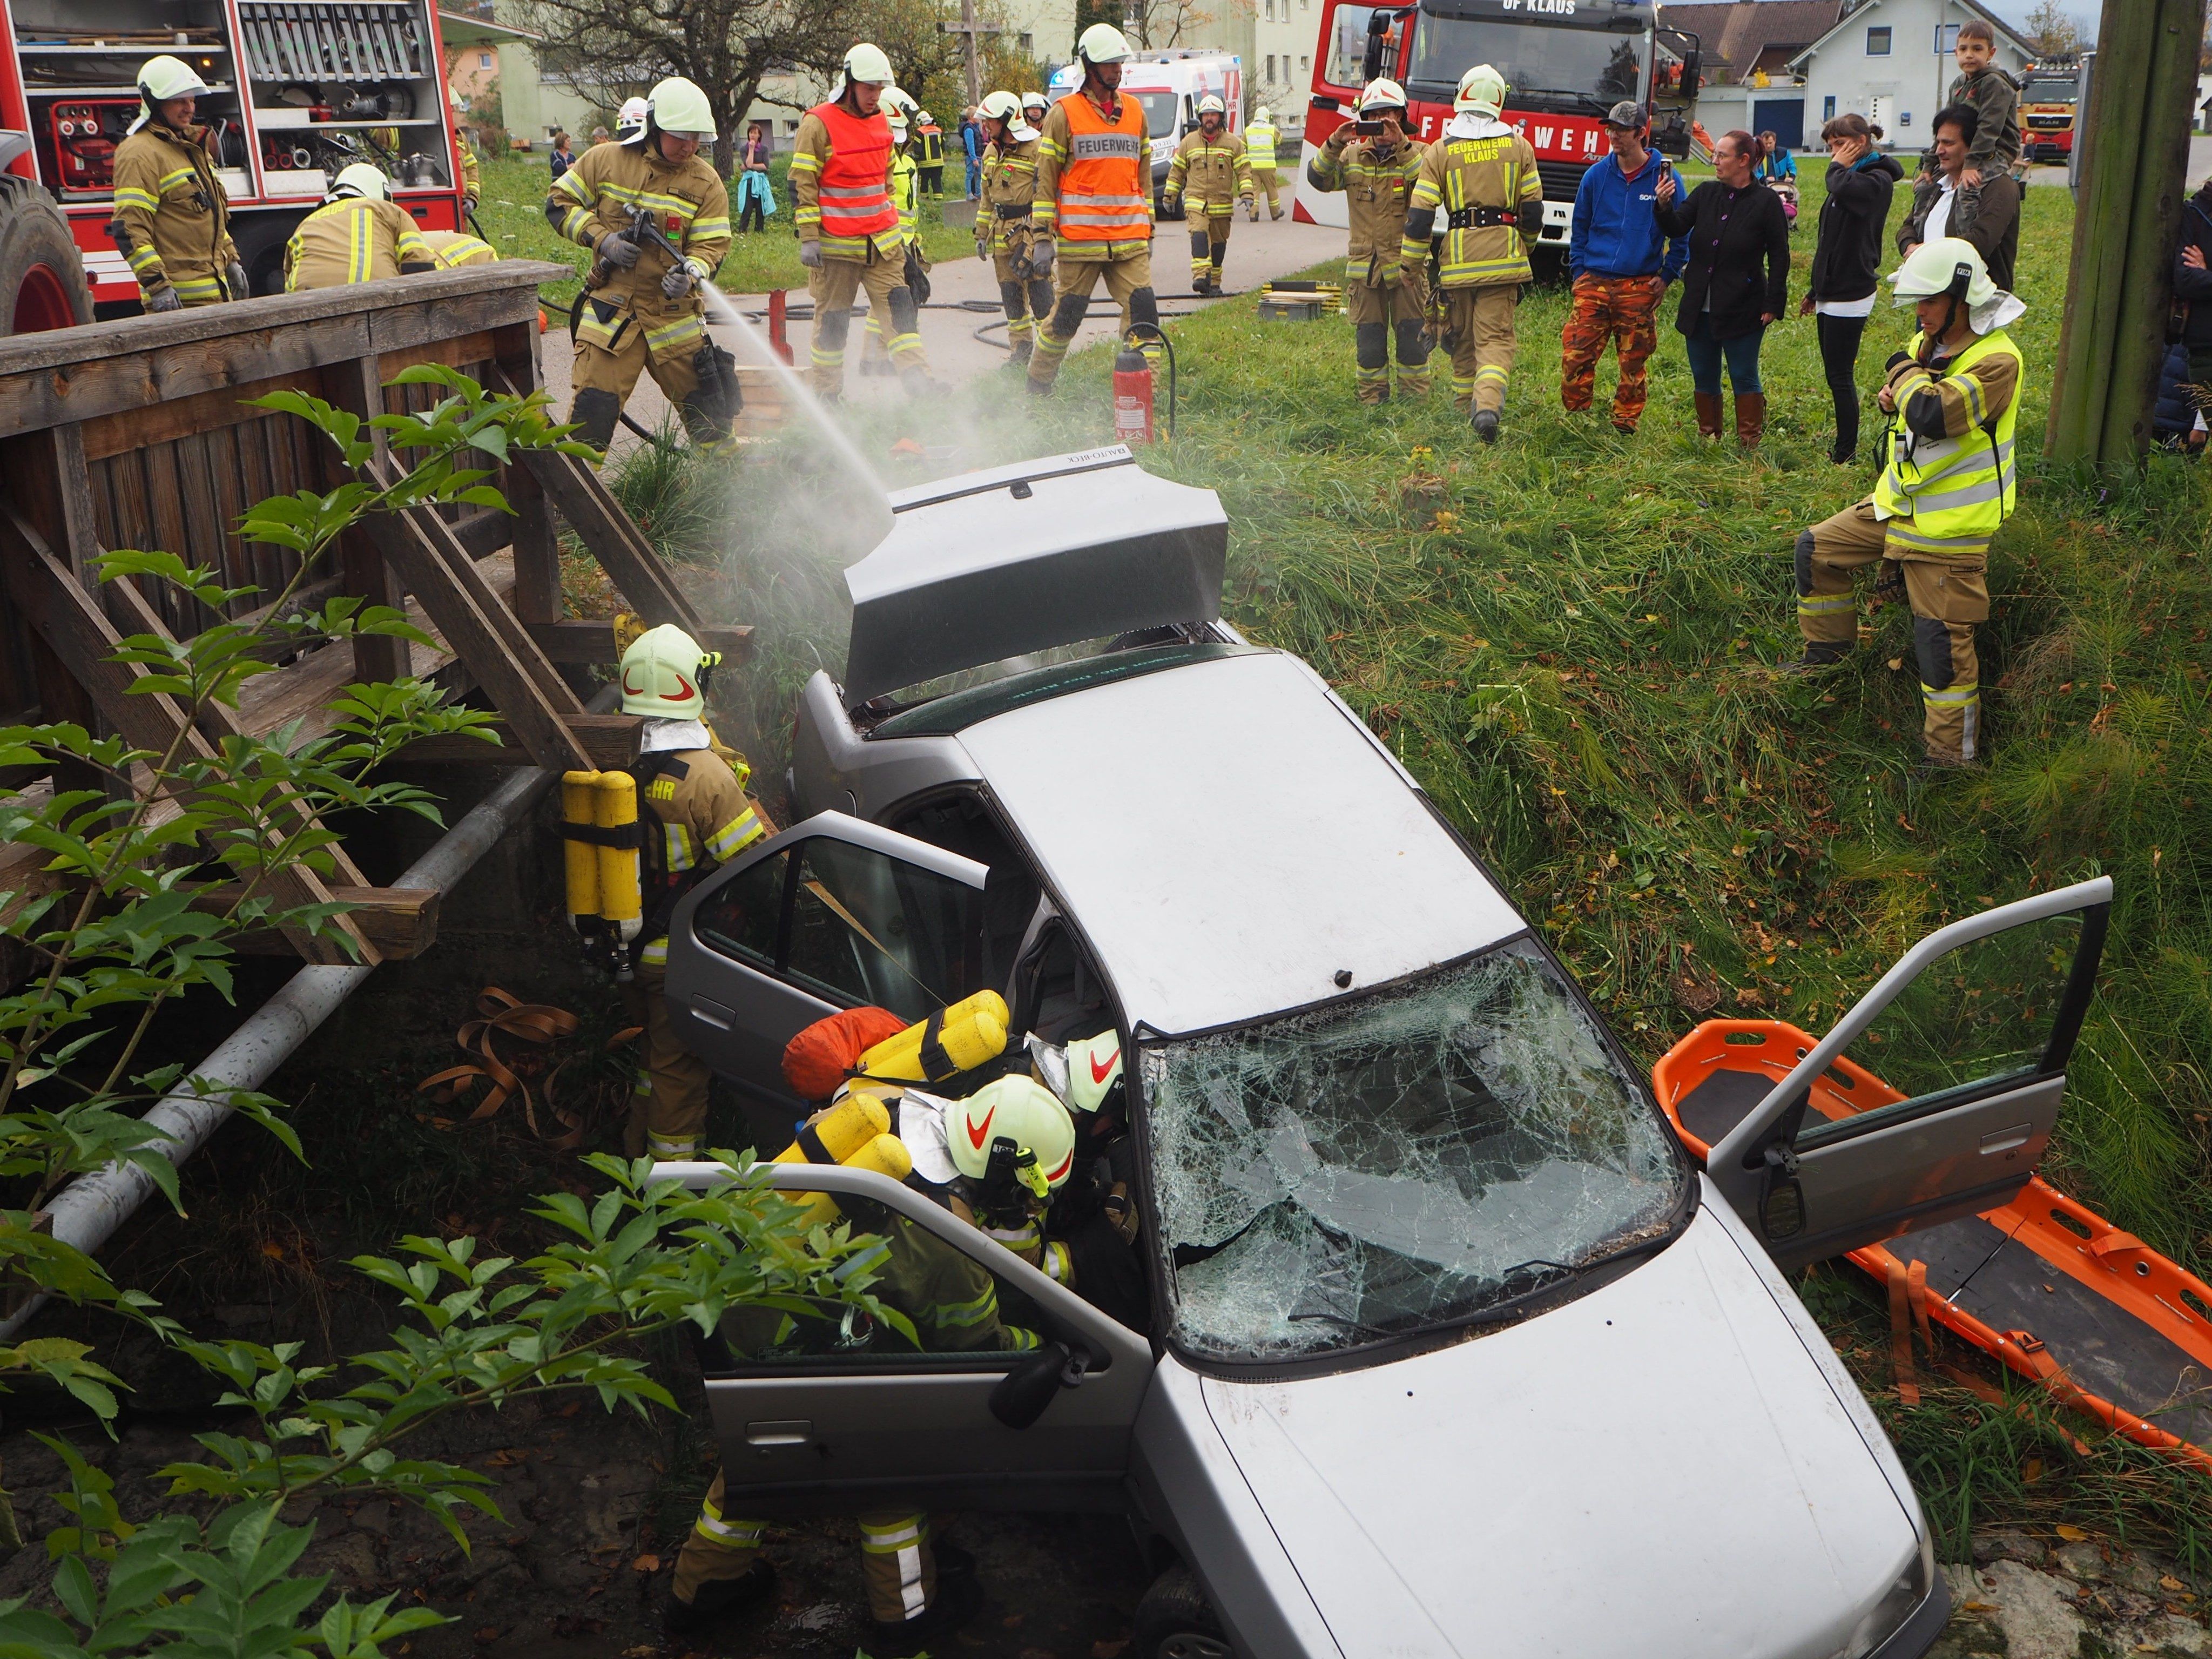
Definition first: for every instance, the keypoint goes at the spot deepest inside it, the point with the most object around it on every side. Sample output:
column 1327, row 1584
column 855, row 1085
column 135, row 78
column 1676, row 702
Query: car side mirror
column 1693, row 71
column 1024, row 1392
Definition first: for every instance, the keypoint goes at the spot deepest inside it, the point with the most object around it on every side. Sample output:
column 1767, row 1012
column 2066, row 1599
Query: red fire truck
column 300, row 89
column 1565, row 64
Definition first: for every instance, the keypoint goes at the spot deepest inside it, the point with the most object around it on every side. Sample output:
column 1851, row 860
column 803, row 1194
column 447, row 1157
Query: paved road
column 960, row 347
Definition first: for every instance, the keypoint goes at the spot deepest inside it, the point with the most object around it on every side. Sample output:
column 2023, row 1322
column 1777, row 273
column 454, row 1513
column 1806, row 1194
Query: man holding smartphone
column 1620, row 262
column 1374, row 163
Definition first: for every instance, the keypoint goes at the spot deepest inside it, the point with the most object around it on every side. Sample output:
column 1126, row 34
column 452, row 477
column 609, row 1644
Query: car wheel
column 42, row 279
column 1174, row 1622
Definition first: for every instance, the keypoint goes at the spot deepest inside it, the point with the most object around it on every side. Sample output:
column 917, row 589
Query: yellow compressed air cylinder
column 855, row 1131
column 970, row 1032
column 580, row 807
column 620, row 899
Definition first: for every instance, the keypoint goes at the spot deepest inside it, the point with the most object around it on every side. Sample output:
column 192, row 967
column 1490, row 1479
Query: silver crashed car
column 1451, row 1348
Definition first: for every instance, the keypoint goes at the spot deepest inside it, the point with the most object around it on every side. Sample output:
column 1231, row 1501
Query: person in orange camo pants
column 1621, row 309
column 1621, row 261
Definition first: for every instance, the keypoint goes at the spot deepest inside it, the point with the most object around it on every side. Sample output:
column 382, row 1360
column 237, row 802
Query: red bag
column 828, row 1051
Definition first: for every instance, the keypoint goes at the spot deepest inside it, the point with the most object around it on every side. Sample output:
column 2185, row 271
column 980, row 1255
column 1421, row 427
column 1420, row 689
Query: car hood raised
column 1656, row 1470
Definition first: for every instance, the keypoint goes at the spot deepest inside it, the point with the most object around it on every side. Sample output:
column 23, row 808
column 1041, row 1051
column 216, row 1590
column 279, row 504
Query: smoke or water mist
column 763, row 540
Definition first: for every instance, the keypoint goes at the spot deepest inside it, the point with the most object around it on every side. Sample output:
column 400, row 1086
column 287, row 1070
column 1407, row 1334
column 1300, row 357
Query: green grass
column 512, row 213
column 1567, row 639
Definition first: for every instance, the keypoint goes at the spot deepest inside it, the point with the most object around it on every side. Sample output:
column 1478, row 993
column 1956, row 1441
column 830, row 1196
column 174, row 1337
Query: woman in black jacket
column 1737, row 281
column 1845, row 260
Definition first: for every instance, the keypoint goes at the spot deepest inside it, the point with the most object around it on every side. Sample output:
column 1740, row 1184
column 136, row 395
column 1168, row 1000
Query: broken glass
column 1374, row 1168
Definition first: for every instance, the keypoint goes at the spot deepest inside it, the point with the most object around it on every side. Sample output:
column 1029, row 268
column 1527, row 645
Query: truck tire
column 1174, row 1622
column 42, row 279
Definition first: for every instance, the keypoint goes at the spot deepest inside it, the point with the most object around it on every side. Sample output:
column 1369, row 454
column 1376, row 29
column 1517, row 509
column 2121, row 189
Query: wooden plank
column 459, row 351
column 402, row 328
column 535, row 537
column 611, row 740
column 399, row 921
column 203, row 411
column 81, row 636
column 575, row 642
column 481, row 532
column 377, row 658
column 478, row 627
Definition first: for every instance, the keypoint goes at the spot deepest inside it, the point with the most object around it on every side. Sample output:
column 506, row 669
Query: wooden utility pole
column 969, row 32
column 2118, row 285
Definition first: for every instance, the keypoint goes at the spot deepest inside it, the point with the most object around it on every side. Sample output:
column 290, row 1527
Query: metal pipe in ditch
column 87, row 1211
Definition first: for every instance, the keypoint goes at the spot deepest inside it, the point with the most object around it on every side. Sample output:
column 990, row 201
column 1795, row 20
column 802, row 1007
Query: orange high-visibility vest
column 856, row 193
column 1105, row 189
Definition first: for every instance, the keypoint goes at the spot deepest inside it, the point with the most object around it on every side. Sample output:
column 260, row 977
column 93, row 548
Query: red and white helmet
column 1018, row 1110
column 1094, row 1066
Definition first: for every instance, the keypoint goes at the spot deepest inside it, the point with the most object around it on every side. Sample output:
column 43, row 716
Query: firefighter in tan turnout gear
column 1479, row 192
column 1948, row 482
column 1005, row 225
column 1212, row 173
column 1385, row 293
column 359, row 235
column 1094, row 199
column 849, row 236
column 659, row 218
column 172, row 218
column 692, row 815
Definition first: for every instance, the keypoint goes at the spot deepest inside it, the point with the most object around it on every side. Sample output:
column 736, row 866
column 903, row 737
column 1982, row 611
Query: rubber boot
column 1019, row 357
column 717, row 1600
column 959, row 1598
column 1818, row 656
column 1485, row 423
column 1750, row 417
column 1708, row 414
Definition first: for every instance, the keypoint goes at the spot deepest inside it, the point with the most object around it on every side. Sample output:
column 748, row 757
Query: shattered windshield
column 1373, row 1169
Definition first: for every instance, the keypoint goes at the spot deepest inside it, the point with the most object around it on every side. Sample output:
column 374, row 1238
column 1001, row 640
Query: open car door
column 1932, row 1099
column 831, row 914
column 1027, row 1399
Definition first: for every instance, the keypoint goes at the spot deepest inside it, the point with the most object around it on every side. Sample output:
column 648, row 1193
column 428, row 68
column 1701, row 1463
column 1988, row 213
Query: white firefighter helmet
column 1102, row 43
column 661, row 674
column 1260, row 113
column 1019, row 1109
column 1035, row 101
column 1000, row 106
column 1481, row 92
column 364, row 179
column 868, row 63
column 677, row 107
column 1211, row 105
column 1949, row 264
column 1381, row 93
column 161, row 79
column 1094, row 1066
column 629, row 121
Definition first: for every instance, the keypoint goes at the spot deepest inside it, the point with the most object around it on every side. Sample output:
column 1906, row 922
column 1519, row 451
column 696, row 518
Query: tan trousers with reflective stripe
column 832, row 286
column 1264, row 182
column 668, row 1103
column 599, row 369
column 1949, row 593
column 895, row 1557
column 1078, row 276
column 1481, row 323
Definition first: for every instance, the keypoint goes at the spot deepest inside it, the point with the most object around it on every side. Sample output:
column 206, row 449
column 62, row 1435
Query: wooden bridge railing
column 136, row 432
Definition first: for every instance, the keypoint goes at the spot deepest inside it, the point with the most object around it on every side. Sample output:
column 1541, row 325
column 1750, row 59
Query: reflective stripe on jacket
column 452, row 249
column 1954, row 491
column 1094, row 177
column 1259, row 145
column 353, row 240
column 840, row 178
column 1377, row 188
column 1211, row 172
column 1009, row 182
column 1497, row 170
column 687, row 199
column 904, row 195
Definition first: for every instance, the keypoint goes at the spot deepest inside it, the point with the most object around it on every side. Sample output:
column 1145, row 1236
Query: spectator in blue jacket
column 1621, row 262
column 971, row 143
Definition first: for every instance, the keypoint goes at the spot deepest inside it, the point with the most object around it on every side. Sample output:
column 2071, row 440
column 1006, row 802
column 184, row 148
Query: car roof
column 1228, row 838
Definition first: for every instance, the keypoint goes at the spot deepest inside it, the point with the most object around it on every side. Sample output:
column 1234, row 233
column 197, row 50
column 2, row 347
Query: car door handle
column 2004, row 1140
column 792, row 1432
column 712, row 1012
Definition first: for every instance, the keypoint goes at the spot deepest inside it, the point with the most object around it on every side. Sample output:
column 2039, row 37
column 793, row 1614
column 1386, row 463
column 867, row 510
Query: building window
column 1271, row 68
column 483, row 60
column 1304, row 64
column 1828, row 109
column 1947, row 39
column 1878, row 41
column 1029, row 45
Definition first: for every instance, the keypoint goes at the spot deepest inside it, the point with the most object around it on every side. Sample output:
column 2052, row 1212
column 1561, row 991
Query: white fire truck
column 300, row 88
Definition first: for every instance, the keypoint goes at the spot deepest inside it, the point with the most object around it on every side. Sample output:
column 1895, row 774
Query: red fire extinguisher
column 1133, row 395
column 1132, row 386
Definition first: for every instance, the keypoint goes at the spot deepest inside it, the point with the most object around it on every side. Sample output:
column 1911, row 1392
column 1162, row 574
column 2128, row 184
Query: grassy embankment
column 1568, row 640
column 512, row 211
